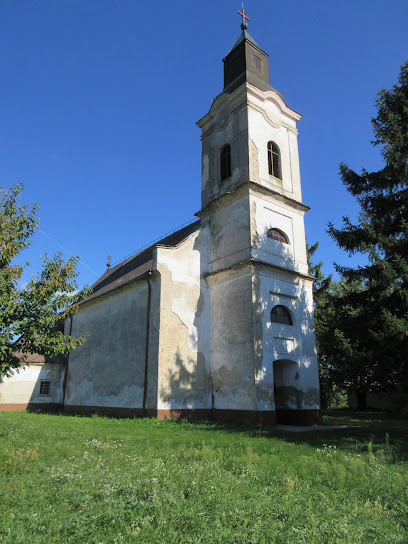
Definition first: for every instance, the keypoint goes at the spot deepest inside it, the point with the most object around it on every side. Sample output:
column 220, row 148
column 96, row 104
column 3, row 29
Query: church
column 215, row 320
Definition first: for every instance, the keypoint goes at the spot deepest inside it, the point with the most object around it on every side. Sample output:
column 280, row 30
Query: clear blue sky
column 99, row 99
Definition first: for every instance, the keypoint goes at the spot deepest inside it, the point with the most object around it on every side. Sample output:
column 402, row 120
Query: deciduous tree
column 31, row 316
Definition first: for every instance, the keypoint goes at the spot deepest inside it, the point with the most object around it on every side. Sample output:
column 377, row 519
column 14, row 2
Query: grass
column 66, row 479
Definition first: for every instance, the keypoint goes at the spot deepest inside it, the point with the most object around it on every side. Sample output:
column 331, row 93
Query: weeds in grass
column 96, row 480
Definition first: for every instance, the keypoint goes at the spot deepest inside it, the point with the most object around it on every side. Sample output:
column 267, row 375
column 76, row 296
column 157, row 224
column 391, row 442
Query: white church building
column 216, row 319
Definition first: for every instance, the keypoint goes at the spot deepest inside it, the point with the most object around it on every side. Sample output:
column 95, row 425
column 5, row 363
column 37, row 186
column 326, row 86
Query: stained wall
column 109, row 369
column 286, row 354
column 183, row 368
column 232, row 343
column 269, row 119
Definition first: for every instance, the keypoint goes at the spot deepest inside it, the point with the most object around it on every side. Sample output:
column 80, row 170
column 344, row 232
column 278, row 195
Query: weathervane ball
column 245, row 18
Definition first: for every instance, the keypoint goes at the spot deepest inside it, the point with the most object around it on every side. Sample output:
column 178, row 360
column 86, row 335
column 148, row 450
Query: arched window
column 277, row 235
column 280, row 314
column 225, row 162
column 274, row 160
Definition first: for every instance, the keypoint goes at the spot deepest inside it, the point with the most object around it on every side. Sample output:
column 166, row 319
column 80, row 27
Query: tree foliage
column 31, row 317
column 368, row 337
column 322, row 287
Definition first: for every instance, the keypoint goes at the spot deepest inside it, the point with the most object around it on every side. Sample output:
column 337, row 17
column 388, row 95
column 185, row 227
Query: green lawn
column 97, row 480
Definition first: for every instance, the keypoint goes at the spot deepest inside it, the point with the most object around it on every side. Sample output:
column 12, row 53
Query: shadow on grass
column 365, row 431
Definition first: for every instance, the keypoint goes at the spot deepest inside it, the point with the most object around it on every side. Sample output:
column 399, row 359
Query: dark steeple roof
column 246, row 61
column 244, row 36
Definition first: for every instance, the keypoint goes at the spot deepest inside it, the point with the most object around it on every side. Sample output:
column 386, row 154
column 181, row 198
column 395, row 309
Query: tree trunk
column 361, row 399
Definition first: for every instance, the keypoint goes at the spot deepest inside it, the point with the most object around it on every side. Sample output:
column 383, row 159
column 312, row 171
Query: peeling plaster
column 118, row 396
column 230, row 230
column 229, row 377
column 254, row 231
column 258, row 320
column 233, row 344
column 311, row 398
column 183, row 366
column 108, row 370
column 249, row 357
column 253, row 162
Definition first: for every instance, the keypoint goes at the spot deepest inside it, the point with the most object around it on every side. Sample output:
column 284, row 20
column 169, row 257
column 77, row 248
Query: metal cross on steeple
column 244, row 24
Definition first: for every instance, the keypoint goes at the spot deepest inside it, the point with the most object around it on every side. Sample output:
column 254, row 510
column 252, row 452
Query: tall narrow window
column 280, row 314
column 225, row 162
column 274, row 160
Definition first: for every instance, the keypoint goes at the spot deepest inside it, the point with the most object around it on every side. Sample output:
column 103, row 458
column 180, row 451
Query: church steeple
column 249, row 134
column 251, row 203
column 246, row 61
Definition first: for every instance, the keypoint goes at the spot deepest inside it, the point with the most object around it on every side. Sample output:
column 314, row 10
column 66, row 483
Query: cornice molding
column 218, row 102
column 269, row 119
column 253, row 266
column 278, row 196
column 272, row 96
column 248, row 187
column 247, row 90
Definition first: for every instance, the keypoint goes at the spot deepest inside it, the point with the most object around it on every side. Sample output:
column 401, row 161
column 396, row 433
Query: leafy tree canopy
column 31, row 318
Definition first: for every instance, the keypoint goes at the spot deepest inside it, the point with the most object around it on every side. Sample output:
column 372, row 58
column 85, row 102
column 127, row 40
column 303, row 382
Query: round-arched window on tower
column 277, row 235
column 274, row 160
column 280, row 314
column 225, row 162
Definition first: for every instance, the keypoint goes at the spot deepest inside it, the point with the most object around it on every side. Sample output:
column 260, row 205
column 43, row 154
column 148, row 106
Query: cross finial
column 244, row 24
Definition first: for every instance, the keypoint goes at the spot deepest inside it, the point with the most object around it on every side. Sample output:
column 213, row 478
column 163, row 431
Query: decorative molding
column 272, row 96
column 258, row 267
column 252, row 188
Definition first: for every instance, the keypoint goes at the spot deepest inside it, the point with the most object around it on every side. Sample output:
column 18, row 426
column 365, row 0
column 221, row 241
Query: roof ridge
column 155, row 241
column 136, row 265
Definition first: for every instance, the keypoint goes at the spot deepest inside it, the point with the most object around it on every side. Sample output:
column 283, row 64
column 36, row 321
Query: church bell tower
column 263, row 356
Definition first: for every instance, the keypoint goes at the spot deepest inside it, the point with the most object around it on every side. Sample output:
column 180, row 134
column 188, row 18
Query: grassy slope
column 67, row 479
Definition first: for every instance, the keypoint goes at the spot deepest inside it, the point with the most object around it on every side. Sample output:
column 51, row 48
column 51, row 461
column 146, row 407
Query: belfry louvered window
column 274, row 160
column 225, row 162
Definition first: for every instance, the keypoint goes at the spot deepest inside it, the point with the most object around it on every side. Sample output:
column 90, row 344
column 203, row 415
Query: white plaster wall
column 225, row 123
column 269, row 214
column 232, row 343
column 24, row 386
column 184, row 330
column 230, row 234
column 293, row 343
column 267, row 122
column 108, row 370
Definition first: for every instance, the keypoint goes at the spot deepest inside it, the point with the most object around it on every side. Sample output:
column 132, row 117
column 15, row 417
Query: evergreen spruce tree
column 370, row 327
column 321, row 295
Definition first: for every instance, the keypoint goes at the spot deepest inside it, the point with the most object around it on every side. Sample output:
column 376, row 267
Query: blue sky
column 99, row 100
